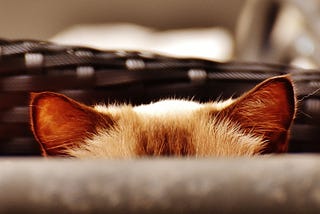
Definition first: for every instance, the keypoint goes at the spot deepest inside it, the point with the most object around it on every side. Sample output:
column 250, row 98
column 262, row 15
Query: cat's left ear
column 267, row 111
column 60, row 123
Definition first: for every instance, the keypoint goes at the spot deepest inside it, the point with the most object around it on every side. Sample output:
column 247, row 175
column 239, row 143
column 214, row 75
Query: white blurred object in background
column 209, row 43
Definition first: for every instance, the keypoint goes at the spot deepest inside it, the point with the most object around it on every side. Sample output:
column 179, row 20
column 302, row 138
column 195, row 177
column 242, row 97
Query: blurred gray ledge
column 277, row 184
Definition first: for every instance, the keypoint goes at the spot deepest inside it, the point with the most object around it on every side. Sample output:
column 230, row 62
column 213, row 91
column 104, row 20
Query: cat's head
column 258, row 122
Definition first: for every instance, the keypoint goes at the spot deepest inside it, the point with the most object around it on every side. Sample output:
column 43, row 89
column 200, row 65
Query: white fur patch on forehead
column 168, row 107
column 165, row 107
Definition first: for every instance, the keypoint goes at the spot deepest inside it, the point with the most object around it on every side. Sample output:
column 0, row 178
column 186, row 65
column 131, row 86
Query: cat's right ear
column 267, row 111
column 59, row 123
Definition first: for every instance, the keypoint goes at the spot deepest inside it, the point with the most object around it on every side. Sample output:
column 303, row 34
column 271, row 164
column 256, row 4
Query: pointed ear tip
column 283, row 82
column 286, row 79
column 286, row 83
column 35, row 96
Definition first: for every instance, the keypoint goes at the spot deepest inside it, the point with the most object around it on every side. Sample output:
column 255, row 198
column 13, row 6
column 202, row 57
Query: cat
column 258, row 122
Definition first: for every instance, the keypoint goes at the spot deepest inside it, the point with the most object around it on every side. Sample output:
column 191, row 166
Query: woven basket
column 94, row 76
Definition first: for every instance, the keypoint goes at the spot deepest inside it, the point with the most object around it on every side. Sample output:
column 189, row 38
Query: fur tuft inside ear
column 59, row 123
column 267, row 111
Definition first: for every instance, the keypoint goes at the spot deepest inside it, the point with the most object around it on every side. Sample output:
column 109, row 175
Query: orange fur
column 257, row 122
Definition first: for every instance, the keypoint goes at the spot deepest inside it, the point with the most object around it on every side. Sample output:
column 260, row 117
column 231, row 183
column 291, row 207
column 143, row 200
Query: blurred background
column 253, row 30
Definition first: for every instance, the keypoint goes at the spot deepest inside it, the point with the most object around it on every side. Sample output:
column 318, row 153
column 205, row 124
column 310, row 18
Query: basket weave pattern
column 94, row 76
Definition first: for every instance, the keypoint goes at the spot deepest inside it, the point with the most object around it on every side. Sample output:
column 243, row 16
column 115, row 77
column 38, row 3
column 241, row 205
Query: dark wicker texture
column 93, row 76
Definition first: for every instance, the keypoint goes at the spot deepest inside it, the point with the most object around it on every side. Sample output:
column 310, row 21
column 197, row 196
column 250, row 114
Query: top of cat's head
column 255, row 123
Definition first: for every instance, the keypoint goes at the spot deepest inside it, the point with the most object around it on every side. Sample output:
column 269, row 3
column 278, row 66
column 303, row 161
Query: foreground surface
column 279, row 184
